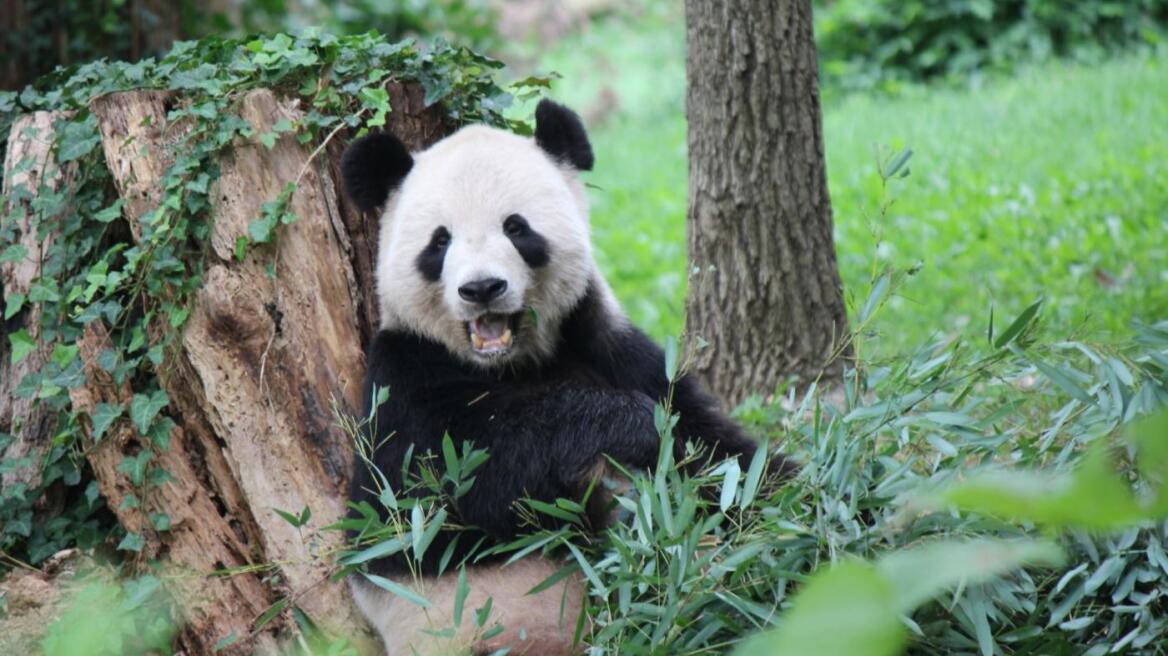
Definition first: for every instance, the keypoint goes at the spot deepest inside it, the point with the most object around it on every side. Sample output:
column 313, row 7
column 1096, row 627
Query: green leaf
column 1092, row 497
column 398, row 589
column 381, row 549
column 241, row 244
column 64, row 354
column 43, row 291
column 160, row 521
column 110, row 213
column 855, row 608
column 1063, row 381
column 875, row 297
column 1150, row 438
column 12, row 305
column 145, row 407
column 754, row 475
column 847, row 609
column 224, row 642
column 423, row 542
column 671, row 358
column 135, row 466
column 1018, row 325
column 270, row 613
column 294, row 520
column 21, row 344
column 729, row 485
column 132, row 542
column 103, row 416
column 260, row 230
column 460, row 593
column 453, row 467
column 921, row 573
column 13, row 253
column 897, row 162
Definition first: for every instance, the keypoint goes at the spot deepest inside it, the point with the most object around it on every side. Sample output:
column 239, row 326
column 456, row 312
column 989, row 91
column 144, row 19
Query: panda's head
column 484, row 236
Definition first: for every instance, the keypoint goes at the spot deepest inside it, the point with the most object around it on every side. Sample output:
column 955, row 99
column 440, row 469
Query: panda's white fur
column 469, row 183
column 541, row 624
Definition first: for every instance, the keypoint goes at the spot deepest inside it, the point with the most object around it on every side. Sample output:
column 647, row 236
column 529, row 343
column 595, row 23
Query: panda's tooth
column 505, row 338
column 477, row 341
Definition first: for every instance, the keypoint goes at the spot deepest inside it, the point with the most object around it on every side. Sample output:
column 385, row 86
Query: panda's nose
column 483, row 291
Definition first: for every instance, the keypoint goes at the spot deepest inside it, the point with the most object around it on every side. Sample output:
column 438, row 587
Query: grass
column 1048, row 184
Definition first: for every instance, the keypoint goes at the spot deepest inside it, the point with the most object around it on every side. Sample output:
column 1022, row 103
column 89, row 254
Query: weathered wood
column 272, row 342
column 208, row 532
column 419, row 127
column 759, row 211
column 29, row 167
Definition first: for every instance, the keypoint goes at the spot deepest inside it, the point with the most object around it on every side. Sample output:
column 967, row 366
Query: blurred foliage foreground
column 942, row 473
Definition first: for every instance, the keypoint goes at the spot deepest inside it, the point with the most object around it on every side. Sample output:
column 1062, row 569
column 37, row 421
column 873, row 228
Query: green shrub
column 704, row 562
column 868, row 43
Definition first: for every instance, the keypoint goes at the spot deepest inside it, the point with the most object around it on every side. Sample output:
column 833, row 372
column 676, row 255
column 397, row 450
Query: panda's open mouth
column 493, row 334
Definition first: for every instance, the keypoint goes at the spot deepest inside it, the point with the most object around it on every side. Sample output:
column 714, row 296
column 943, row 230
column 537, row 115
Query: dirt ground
column 31, row 600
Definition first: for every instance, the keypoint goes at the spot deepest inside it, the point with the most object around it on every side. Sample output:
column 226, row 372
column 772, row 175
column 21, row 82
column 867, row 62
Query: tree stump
column 273, row 343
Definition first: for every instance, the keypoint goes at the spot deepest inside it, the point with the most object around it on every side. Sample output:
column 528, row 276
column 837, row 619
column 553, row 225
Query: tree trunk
column 272, row 344
column 767, row 294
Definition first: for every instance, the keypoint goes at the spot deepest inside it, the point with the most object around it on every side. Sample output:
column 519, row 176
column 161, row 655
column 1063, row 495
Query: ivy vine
column 92, row 269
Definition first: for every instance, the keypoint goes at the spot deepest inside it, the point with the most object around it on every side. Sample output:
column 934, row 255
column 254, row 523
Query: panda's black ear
column 560, row 133
column 373, row 166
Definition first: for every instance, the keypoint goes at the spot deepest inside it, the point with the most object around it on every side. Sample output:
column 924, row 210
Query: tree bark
column 272, row 344
column 767, row 293
column 21, row 416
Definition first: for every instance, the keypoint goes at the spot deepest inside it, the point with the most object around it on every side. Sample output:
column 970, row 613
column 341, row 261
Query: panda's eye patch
column 429, row 262
column 532, row 247
column 440, row 238
column 515, row 226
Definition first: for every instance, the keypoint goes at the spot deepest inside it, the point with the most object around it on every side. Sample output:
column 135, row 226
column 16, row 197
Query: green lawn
column 1053, row 183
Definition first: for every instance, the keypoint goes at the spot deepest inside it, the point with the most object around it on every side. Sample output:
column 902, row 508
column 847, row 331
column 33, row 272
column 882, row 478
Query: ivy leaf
column 14, row 253
column 161, row 521
column 12, row 305
column 135, row 466
column 376, row 99
column 144, row 408
column 22, row 344
column 132, row 542
column 92, row 493
column 64, row 354
column 260, row 230
column 42, row 291
column 103, row 416
column 110, row 213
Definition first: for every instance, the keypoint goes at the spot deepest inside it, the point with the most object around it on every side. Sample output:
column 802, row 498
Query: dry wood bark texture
column 759, row 211
column 31, row 139
column 271, row 344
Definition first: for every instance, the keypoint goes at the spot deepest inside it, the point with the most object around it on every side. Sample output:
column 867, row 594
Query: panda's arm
column 630, row 360
column 543, row 442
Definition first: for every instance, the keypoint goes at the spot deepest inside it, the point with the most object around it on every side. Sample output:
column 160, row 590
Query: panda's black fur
column 545, row 427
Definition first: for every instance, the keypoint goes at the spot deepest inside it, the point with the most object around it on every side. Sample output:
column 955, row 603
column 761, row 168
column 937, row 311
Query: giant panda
column 497, row 327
